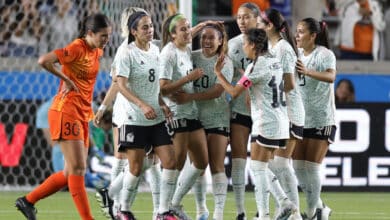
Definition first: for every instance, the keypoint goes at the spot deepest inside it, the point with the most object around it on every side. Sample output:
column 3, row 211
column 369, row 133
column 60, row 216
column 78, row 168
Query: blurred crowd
column 34, row 27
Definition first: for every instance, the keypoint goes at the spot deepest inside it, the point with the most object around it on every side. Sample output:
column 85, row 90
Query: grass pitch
column 364, row 206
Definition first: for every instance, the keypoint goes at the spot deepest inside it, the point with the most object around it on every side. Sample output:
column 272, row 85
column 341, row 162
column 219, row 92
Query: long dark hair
column 281, row 26
column 320, row 28
column 132, row 23
column 259, row 38
column 95, row 23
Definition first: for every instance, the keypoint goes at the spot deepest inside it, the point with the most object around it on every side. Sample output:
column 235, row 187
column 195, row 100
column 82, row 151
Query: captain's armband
column 245, row 81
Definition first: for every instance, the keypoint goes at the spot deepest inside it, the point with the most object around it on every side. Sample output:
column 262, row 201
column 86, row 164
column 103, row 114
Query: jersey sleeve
column 123, row 63
column 69, row 53
column 288, row 60
column 167, row 61
column 329, row 60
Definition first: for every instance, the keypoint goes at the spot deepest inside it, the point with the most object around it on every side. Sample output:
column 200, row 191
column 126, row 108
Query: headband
column 174, row 21
column 137, row 16
column 264, row 17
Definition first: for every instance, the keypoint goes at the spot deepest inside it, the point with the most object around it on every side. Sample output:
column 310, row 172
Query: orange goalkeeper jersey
column 81, row 64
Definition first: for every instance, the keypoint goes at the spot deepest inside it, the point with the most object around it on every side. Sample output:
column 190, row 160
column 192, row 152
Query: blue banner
column 38, row 85
column 369, row 87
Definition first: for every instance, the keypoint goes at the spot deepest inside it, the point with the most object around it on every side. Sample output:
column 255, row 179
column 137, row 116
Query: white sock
column 238, row 182
column 260, row 179
column 200, row 189
column 148, row 162
column 275, row 188
column 219, row 190
column 116, row 186
column 129, row 191
column 154, row 174
column 185, row 182
column 117, row 167
column 313, row 187
column 284, row 171
column 300, row 172
column 167, row 188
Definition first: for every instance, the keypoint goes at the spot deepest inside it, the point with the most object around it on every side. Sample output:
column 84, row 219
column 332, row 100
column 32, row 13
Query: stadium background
column 359, row 160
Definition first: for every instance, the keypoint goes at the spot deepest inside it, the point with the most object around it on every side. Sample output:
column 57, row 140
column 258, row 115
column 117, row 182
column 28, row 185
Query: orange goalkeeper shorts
column 65, row 127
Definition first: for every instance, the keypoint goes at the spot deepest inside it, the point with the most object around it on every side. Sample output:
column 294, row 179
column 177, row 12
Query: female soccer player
column 317, row 64
column 177, row 75
column 282, row 45
column 241, row 122
column 214, row 111
column 137, row 76
column 270, row 128
column 105, row 196
column 70, row 112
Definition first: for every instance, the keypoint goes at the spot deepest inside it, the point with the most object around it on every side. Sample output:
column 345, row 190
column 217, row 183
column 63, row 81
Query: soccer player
column 144, row 126
column 70, row 112
column 176, row 75
column 270, row 128
column 282, row 45
column 214, row 114
column 151, row 165
column 240, row 122
column 317, row 64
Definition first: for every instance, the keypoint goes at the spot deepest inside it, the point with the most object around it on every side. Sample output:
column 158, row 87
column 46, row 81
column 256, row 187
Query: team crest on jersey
column 130, row 137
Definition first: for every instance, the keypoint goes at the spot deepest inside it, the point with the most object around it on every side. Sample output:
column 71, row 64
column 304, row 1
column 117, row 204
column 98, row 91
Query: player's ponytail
column 319, row 28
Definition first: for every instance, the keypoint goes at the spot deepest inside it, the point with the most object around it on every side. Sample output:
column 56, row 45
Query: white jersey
column 120, row 103
column 213, row 113
column 318, row 96
column 240, row 61
column 268, row 110
column 140, row 68
column 175, row 64
column 295, row 110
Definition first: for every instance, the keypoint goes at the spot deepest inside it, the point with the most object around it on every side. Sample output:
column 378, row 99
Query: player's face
column 248, row 49
column 145, row 30
column 245, row 19
column 210, row 41
column 303, row 36
column 100, row 38
column 182, row 36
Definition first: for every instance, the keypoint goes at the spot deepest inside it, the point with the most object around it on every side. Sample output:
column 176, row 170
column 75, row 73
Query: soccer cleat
column 305, row 217
column 125, row 215
column 287, row 209
column 202, row 216
column 295, row 216
column 323, row 213
column 106, row 203
column 28, row 209
column 166, row 216
column 179, row 212
column 241, row 216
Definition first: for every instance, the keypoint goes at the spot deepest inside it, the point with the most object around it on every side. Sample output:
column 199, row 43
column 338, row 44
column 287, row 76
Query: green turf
column 364, row 206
